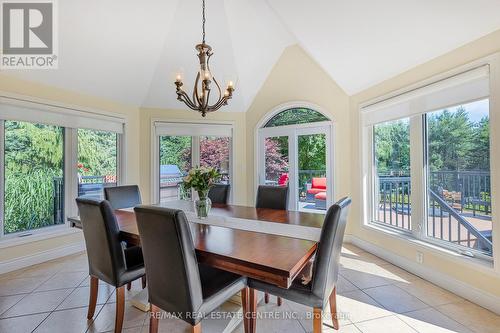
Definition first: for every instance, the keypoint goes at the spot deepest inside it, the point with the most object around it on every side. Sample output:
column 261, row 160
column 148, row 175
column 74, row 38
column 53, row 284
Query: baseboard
column 460, row 288
column 40, row 257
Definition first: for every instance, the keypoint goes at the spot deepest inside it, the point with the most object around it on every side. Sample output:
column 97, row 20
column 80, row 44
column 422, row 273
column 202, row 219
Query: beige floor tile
column 362, row 279
column 46, row 269
column 105, row 320
column 432, row 321
column 343, row 285
column 430, row 293
column 343, row 329
column 24, row 324
column 80, row 297
column 472, row 316
column 66, row 321
column 395, row 299
column 38, row 302
column 8, row 301
column 20, row 285
column 357, row 306
column 63, row 280
column 390, row 324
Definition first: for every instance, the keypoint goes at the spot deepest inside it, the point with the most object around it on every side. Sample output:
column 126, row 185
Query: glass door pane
column 175, row 162
column 34, row 181
column 276, row 161
column 312, row 178
column 97, row 162
column 214, row 152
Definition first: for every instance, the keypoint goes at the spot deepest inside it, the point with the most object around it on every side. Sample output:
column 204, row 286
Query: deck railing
column 452, row 197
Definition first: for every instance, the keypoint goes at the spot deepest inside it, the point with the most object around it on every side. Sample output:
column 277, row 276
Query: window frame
column 195, row 129
column 43, row 113
column 419, row 163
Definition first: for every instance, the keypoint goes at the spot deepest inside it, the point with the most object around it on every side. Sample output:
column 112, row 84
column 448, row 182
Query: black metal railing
column 454, row 199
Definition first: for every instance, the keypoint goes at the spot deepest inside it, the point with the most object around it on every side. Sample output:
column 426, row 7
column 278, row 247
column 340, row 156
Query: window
column 97, row 162
column 392, row 165
column 49, row 156
column 175, row 162
column 296, row 116
column 458, row 170
column 33, row 176
column 428, row 163
column 214, row 152
column 181, row 146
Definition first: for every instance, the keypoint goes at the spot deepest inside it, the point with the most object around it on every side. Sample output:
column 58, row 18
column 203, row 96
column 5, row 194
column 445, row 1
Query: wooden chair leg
column 120, row 309
column 266, row 298
column 333, row 308
column 245, row 293
column 129, row 285
column 280, row 301
column 154, row 316
column 144, row 282
column 317, row 320
column 196, row 328
column 94, row 288
column 252, row 310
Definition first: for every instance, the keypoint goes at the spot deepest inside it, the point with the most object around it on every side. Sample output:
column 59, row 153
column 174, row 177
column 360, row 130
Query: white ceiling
column 129, row 51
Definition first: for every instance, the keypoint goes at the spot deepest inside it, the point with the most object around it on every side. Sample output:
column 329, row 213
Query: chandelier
column 200, row 100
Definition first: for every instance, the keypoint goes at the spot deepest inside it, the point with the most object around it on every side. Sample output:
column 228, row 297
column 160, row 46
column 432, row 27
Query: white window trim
column 366, row 153
column 260, row 130
column 89, row 116
column 195, row 129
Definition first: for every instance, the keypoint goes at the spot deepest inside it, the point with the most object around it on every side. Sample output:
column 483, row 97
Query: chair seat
column 315, row 190
column 217, row 286
column 135, row 265
column 298, row 291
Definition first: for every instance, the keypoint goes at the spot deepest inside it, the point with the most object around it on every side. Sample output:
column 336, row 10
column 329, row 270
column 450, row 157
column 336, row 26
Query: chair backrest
column 101, row 233
column 170, row 259
column 219, row 193
column 319, row 183
column 123, row 196
column 326, row 263
column 274, row 197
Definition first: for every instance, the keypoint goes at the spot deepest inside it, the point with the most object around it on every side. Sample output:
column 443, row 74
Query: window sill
column 38, row 235
column 483, row 265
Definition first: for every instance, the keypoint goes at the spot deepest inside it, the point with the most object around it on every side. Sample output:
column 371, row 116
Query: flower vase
column 203, row 204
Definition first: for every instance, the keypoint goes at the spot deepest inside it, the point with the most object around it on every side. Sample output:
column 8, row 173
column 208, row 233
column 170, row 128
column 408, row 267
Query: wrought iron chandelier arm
column 181, row 95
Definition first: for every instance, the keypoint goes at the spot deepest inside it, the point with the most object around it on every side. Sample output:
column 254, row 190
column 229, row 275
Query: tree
column 214, row 152
column 392, row 147
column 276, row 162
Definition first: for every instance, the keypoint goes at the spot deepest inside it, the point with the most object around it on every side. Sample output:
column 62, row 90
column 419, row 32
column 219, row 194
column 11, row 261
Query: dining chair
column 125, row 196
column 219, row 193
column 109, row 260
column 177, row 283
column 320, row 288
column 274, row 197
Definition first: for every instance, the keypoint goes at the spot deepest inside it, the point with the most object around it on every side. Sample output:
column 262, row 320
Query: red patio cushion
column 320, row 196
column 319, row 182
column 315, row 190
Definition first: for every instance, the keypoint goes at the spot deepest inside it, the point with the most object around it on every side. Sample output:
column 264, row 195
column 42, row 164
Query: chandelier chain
column 203, row 24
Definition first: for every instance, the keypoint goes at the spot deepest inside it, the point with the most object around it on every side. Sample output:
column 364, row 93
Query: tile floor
column 374, row 296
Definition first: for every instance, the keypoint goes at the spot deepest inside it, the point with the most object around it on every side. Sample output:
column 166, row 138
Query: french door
column 300, row 157
column 181, row 146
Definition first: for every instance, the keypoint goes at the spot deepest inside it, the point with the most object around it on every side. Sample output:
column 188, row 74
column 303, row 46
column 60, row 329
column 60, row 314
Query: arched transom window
column 295, row 116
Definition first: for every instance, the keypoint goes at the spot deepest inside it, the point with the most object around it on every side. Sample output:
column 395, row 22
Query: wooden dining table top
column 270, row 258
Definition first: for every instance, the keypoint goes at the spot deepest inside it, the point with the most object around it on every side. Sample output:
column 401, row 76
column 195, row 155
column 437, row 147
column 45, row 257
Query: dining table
column 265, row 244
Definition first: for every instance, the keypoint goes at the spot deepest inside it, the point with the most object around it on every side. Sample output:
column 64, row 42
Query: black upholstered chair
column 126, row 196
column 219, row 193
column 176, row 282
column 109, row 260
column 322, row 285
column 274, row 197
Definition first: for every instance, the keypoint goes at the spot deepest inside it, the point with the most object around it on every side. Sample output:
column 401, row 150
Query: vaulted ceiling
column 129, row 51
